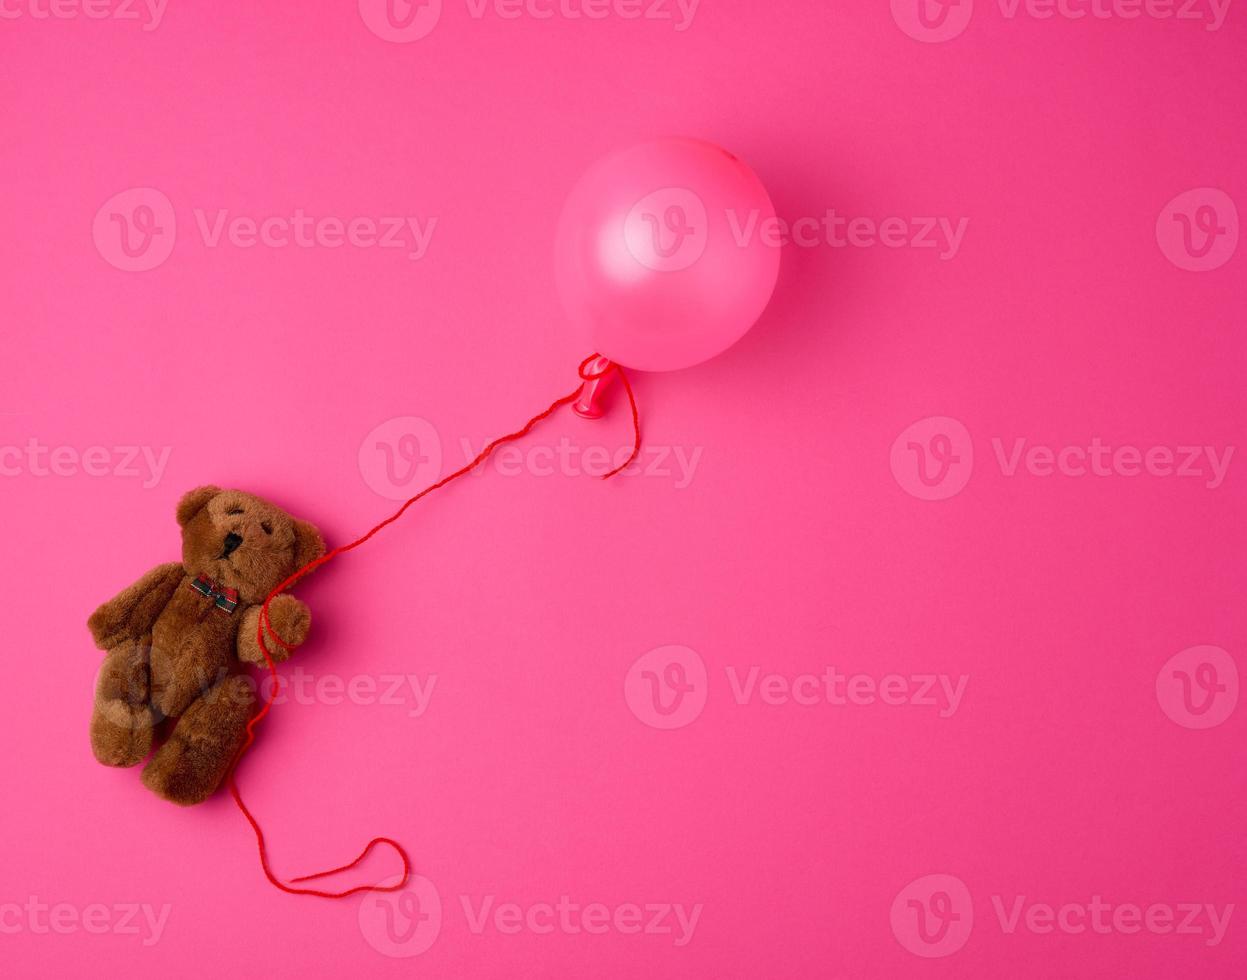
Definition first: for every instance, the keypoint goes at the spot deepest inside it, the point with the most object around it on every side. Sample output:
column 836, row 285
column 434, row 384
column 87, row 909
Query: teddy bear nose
column 232, row 541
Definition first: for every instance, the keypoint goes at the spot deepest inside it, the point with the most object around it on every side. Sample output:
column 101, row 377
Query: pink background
column 1060, row 319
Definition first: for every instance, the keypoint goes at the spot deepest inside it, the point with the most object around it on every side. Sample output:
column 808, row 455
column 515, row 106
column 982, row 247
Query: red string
column 265, row 627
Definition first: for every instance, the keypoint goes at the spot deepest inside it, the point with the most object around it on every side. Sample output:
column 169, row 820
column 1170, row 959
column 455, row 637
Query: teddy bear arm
column 133, row 611
column 289, row 617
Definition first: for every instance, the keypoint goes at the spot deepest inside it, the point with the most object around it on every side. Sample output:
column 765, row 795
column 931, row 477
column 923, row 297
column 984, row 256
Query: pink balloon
column 660, row 257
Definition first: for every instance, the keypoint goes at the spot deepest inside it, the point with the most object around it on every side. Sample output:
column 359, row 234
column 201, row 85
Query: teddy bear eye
column 268, row 528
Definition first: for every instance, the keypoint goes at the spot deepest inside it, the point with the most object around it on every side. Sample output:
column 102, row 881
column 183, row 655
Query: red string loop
column 265, row 633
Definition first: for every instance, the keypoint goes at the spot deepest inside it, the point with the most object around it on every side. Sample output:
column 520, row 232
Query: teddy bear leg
column 189, row 767
column 122, row 719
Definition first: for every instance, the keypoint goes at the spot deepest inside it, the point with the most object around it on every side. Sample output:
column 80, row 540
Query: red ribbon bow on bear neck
column 224, row 598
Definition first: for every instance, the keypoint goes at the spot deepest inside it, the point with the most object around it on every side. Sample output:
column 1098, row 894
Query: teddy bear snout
column 232, row 541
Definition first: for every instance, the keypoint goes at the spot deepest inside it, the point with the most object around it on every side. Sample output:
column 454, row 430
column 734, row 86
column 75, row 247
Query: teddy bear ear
column 308, row 544
column 193, row 502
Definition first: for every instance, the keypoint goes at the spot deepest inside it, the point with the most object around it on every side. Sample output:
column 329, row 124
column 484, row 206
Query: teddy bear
column 176, row 640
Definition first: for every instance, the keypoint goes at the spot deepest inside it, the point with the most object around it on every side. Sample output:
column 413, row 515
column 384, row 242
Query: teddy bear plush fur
column 176, row 640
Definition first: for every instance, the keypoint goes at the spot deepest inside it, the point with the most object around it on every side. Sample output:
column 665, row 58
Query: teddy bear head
column 243, row 542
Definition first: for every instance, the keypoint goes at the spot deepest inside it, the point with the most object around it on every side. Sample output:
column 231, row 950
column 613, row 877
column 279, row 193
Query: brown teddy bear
column 177, row 638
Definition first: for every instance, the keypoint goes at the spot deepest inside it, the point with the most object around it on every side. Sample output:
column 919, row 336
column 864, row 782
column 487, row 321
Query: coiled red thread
column 265, row 632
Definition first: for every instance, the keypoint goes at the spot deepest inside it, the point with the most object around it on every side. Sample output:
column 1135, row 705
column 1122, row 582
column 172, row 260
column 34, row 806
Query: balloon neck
column 596, row 373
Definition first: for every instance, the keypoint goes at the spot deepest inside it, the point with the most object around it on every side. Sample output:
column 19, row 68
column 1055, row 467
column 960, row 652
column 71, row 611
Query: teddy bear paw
column 121, row 733
column 290, row 618
column 176, row 775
